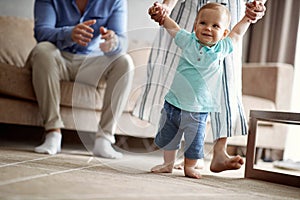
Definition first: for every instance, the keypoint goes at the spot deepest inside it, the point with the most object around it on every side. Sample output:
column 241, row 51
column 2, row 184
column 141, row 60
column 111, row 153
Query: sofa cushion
column 16, row 39
column 17, row 82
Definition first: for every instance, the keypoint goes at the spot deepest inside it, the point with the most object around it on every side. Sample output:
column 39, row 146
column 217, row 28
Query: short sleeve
column 227, row 46
column 182, row 38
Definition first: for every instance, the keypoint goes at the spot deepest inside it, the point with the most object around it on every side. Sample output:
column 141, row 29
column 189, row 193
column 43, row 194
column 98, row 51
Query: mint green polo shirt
column 197, row 83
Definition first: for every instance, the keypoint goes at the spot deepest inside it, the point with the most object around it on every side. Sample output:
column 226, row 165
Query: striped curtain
column 273, row 39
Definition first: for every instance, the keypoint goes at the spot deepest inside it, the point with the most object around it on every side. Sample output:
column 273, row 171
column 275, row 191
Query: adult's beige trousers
column 50, row 66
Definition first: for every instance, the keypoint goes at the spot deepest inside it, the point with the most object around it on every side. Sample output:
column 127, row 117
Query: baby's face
column 211, row 26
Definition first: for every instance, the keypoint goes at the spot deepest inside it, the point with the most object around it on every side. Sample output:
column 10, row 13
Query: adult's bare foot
column 221, row 161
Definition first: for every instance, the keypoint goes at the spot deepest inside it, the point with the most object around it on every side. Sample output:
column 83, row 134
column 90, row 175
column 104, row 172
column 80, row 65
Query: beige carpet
column 74, row 174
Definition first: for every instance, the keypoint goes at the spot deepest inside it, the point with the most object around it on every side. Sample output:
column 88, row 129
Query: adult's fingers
column 110, row 40
column 86, row 26
column 108, row 35
column 82, row 33
column 89, row 22
column 255, row 12
column 81, row 37
column 159, row 16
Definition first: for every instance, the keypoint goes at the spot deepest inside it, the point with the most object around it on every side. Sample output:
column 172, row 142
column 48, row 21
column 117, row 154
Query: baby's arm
column 239, row 30
column 242, row 26
column 171, row 26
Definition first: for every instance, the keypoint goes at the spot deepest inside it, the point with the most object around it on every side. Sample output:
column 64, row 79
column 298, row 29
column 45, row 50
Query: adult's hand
column 158, row 12
column 255, row 10
column 110, row 40
column 82, row 33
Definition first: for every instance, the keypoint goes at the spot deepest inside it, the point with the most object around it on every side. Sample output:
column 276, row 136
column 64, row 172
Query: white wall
column 140, row 26
column 22, row 8
column 292, row 150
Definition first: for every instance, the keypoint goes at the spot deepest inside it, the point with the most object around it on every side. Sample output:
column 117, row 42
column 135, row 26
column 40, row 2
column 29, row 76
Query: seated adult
column 81, row 41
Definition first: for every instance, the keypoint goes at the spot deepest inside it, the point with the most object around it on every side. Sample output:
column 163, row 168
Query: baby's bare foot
column 199, row 165
column 164, row 168
column 179, row 165
column 191, row 172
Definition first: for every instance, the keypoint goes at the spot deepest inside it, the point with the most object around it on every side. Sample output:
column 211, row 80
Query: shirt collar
column 200, row 45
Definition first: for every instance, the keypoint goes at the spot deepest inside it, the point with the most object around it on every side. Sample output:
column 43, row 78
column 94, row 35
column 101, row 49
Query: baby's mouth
column 206, row 34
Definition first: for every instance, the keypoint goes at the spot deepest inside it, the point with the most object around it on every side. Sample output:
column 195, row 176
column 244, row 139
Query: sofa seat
column 16, row 82
column 257, row 103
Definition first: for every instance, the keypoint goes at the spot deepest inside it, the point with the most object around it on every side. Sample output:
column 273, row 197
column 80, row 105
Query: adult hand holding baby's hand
column 255, row 10
column 158, row 12
column 110, row 40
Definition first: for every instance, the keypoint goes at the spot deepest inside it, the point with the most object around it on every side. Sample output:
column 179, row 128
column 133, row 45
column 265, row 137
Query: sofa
column 265, row 86
column 18, row 103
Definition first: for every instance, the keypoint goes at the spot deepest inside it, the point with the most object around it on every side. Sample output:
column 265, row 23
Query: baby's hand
column 255, row 10
column 158, row 12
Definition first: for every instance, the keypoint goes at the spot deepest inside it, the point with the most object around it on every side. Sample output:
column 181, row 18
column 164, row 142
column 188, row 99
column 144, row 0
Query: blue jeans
column 175, row 122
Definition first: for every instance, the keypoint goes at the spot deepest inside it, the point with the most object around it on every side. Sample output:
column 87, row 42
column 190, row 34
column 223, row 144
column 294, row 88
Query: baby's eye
column 216, row 26
column 202, row 23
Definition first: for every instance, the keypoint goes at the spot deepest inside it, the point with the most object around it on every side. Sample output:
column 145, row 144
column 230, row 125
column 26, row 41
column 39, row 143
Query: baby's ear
column 194, row 28
column 226, row 32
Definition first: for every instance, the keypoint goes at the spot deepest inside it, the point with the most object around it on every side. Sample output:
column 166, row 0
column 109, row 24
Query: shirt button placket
column 200, row 57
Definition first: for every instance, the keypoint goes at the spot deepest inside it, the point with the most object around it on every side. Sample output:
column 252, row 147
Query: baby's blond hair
column 216, row 6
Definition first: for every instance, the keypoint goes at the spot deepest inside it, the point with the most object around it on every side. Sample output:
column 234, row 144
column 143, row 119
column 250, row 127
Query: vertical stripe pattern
column 163, row 61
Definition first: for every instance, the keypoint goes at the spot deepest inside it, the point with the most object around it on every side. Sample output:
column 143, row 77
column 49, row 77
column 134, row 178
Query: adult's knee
column 125, row 64
column 43, row 56
column 44, row 50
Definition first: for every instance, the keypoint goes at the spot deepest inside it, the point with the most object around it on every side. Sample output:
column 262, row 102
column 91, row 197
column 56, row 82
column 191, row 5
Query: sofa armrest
column 272, row 81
